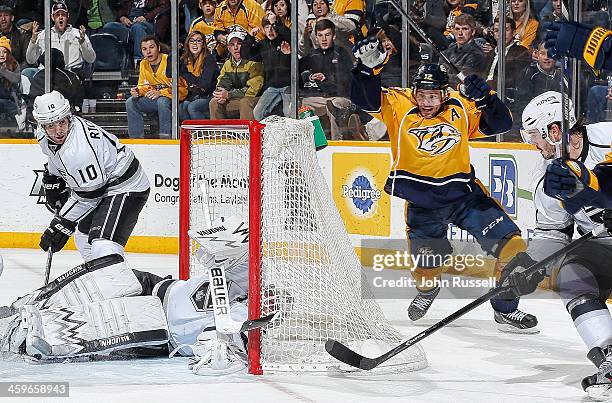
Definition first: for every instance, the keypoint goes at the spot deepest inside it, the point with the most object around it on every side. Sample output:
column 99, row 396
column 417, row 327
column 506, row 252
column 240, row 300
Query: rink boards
column 355, row 172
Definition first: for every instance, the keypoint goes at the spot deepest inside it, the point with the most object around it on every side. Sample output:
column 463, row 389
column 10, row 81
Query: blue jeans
column 8, row 107
column 137, row 107
column 596, row 103
column 197, row 109
column 134, row 34
column 271, row 97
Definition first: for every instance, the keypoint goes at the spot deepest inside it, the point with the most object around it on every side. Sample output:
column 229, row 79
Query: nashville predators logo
column 436, row 139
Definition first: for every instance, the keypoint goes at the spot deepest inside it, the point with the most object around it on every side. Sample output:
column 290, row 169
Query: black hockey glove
column 58, row 233
column 475, row 88
column 513, row 277
column 56, row 192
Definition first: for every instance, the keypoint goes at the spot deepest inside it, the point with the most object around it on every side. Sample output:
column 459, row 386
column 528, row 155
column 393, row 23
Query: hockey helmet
column 541, row 112
column 431, row 76
column 50, row 108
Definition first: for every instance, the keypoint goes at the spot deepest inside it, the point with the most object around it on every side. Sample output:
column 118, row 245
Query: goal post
column 301, row 261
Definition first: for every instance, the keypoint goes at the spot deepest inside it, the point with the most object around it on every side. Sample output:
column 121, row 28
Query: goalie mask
column 541, row 112
column 52, row 113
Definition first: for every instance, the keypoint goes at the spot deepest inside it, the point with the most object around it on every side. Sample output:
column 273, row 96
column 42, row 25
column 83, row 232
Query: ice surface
column 469, row 361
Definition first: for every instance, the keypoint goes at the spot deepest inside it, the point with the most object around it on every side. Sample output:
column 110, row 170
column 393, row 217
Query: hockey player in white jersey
column 104, row 308
column 94, row 183
column 584, row 279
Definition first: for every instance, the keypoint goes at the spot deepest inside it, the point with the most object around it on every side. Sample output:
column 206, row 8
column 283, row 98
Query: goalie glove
column 514, row 279
column 56, row 192
column 371, row 57
column 571, row 182
column 59, row 232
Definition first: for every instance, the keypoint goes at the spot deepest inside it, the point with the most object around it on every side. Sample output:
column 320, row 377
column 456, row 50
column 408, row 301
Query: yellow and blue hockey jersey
column 431, row 161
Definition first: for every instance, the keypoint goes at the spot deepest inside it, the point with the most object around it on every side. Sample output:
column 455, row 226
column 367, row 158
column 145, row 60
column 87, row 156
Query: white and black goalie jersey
column 553, row 223
column 94, row 165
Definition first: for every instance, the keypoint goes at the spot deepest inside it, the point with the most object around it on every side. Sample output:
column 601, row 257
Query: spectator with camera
column 239, row 83
column 71, row 41
column 199, row 69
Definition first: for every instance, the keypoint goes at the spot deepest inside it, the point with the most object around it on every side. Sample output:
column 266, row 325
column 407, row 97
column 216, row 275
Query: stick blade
column 257, row 323
column 342, row 353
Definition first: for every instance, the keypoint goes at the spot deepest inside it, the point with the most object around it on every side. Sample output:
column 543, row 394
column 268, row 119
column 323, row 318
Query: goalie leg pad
column 103, row 278
column 81, row 240
column 98, row 328
column 103, row 247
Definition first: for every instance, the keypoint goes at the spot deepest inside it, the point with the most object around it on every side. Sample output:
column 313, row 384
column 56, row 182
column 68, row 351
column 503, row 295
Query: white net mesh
column 309, row 269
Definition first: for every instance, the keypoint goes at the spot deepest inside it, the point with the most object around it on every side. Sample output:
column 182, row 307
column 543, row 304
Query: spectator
column 62, row 80
column 326, row 75
column 10, row 79
column 526, row 23
column 465, row 52
column 552, row 11
column 246, row 14
column 239, row 83
column 72, row 42
column 430, row 15
column 599, row 100
column 19, row 39
column 281, row 11
column 199, row 69
column 538, row 78
column 98, row 13
column 205, row 24
column 344, row 27
column 153, row 94
column 455, row 9
column 517, row 57
column 275, row 53
column 137, row 19
column 354, row 11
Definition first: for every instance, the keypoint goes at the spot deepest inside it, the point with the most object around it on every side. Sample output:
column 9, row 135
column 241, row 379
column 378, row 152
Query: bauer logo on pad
column 503, row 181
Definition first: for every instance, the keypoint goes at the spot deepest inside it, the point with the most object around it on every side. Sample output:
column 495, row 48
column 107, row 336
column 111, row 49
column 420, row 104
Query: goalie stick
column 350, row 357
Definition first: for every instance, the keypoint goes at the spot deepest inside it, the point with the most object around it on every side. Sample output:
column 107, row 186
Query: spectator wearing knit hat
column 10, row 79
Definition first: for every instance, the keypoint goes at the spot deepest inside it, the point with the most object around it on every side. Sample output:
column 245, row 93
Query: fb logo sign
column 503, row 181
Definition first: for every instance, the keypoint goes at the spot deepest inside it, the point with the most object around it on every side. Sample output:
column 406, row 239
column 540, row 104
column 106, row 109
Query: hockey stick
column 564, row 113
column 423, row 35
column 49, row 257
column 350, row 357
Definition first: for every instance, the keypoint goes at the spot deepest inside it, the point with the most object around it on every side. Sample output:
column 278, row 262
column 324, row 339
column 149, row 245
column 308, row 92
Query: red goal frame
column 255, row 144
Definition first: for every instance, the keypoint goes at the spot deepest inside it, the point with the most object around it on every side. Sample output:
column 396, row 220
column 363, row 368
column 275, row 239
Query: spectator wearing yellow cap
column 10, row 79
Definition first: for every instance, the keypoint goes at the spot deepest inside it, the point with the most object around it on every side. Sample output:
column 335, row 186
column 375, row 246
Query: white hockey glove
column 218, row 354
column 370, row 55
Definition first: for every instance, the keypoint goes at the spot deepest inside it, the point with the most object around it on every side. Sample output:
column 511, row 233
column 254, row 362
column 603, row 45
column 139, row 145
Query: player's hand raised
column 475, row 88
column 370, row 54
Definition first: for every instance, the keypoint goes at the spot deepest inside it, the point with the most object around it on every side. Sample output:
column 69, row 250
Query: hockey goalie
column 104, row 309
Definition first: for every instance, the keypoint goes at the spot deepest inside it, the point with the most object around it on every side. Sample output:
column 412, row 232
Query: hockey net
column 301, row 259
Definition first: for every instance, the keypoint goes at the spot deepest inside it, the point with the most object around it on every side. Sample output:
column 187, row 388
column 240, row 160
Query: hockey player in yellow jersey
column 429, row 126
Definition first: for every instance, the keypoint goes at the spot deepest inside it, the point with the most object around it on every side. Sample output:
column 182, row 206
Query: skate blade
column 600, row 393
column 506, row 328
